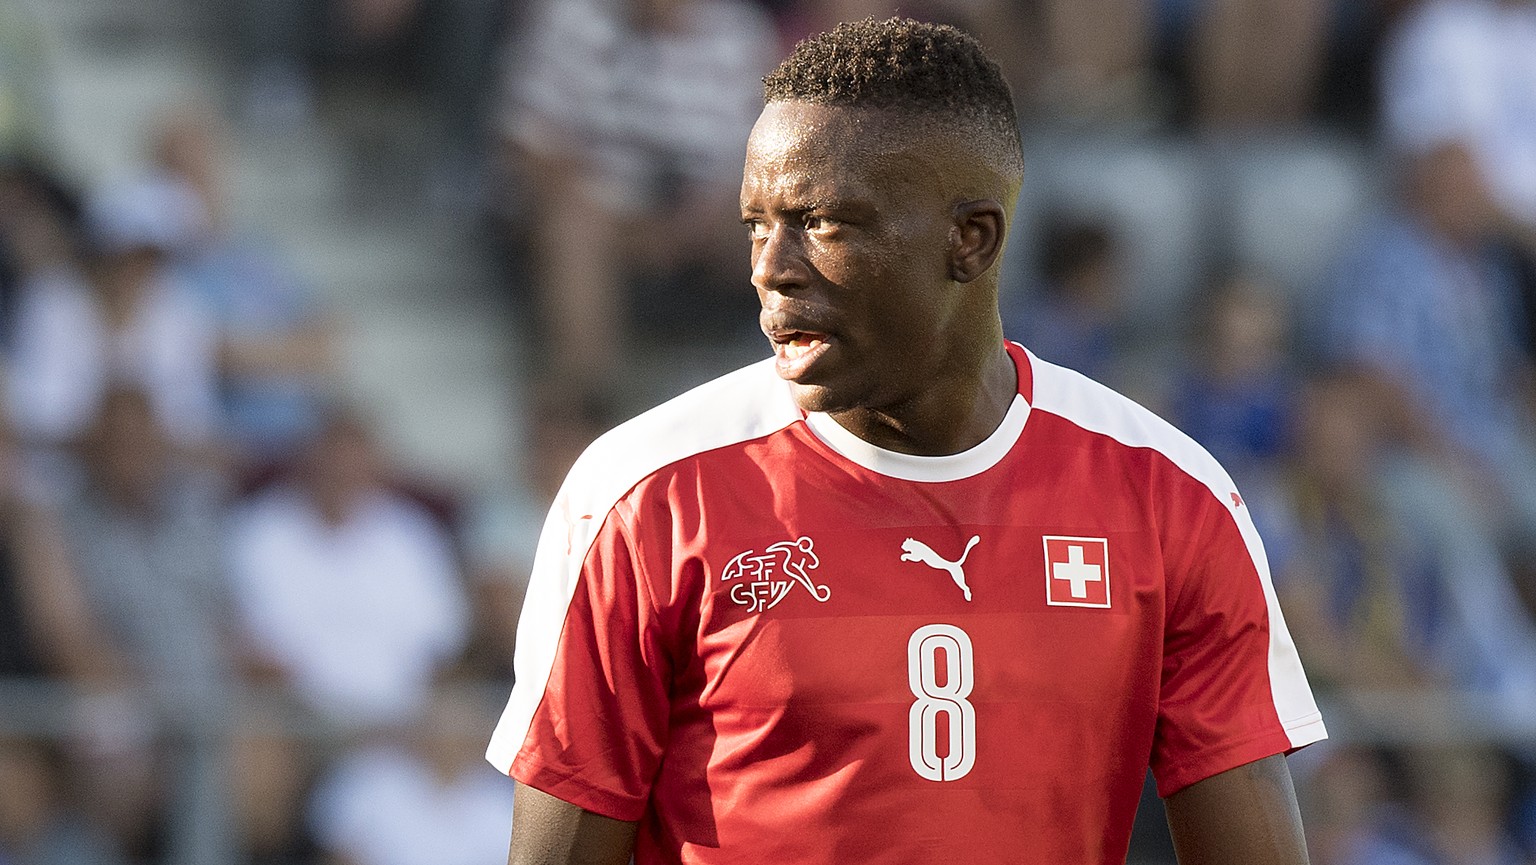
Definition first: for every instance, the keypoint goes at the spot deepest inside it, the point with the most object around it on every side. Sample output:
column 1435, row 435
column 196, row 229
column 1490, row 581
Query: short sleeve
column 1233, row 690
column 589, row 712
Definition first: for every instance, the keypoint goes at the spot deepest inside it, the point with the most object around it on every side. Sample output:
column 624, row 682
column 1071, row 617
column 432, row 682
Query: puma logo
column 913, row 550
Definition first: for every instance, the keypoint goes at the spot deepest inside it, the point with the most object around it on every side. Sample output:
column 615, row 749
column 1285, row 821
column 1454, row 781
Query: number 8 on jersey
column 949, row 699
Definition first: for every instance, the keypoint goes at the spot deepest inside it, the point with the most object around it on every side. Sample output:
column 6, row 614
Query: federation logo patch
column 767, row 577
column 1076, row 571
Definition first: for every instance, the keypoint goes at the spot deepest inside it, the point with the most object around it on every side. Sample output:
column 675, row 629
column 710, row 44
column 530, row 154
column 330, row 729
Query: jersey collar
column 952, row 467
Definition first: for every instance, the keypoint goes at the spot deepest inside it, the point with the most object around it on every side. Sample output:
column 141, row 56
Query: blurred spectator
column 1423, row 305
column 444, row 47
column 39, row 217
column 350, row 600
column 275, row 759
column 347, row 591
column 1388, row 595
column 1098, row 59
column 130, row 321
column 1256, row 63
column 1359, row 586
column 1236, row 398
column 275, row 347
column 48, row 633
column 1074, row 316
column 1355, row 817
column 425, row 799
column 504, row 525
column 37, row 826
column 629, row 119
column 1237, row 63
column 46, row 625
column 144, row 536
column 1465, row 70
column 1464, row 792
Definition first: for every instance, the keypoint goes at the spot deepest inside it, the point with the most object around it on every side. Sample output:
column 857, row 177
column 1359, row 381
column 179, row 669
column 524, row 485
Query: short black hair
column 908, row 66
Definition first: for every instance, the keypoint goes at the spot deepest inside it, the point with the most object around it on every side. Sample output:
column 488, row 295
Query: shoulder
column 1092, row 407
column 741, row 406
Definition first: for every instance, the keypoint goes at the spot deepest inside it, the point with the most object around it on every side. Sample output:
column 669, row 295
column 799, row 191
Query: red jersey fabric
column 769, row 641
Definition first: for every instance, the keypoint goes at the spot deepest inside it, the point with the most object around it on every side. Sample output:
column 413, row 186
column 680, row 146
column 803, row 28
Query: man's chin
column 820, row 398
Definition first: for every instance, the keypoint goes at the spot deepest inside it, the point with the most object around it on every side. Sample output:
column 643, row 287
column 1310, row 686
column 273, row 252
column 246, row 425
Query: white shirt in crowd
column 1465, row 70
column 359, row 615
column 66, row 355
column 385, row 807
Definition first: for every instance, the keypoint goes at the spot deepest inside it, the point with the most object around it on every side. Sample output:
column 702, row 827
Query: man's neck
column 956, row 413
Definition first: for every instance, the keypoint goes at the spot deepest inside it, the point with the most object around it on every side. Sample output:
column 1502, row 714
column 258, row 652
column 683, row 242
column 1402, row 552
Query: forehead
column 803, row 148
column 792, row 126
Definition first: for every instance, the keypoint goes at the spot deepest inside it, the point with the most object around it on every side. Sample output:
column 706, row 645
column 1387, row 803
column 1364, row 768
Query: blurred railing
column 199, row 817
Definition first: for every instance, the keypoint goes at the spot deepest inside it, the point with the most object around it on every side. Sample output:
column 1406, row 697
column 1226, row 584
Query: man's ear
column 976, row 239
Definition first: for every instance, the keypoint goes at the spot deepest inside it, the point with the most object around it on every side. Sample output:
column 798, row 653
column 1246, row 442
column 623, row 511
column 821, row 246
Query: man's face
column 850, row 223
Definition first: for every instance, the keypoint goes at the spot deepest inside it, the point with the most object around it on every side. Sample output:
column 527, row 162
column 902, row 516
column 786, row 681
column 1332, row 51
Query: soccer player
column 903, row 593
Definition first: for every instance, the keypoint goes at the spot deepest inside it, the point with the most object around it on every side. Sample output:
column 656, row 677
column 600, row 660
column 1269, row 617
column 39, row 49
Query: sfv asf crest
column 767, row 577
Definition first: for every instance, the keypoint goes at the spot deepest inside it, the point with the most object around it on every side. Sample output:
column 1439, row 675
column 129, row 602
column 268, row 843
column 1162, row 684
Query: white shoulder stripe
column 1096, row 408
column 747, row 404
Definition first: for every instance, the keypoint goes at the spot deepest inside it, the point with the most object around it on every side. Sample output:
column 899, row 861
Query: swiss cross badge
column 1076, row 571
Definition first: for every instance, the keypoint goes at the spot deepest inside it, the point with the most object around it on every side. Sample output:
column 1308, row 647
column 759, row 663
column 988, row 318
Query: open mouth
column 797, row 351
column 800, row 344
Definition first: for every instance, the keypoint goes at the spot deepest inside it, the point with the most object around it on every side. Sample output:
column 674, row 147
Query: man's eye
column 756, row 230
column 822, row 224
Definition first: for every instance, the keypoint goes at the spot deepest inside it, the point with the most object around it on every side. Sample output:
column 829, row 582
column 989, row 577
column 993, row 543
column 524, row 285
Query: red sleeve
column 1217, row 709
column 597, row 733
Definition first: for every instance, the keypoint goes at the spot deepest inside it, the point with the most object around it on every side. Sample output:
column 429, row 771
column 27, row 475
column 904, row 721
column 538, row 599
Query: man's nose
column 778, row 263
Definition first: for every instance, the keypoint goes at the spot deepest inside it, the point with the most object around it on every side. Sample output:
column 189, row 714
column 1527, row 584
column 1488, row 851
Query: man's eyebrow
column 795, row 209
column 827, row 205
column 793, row 206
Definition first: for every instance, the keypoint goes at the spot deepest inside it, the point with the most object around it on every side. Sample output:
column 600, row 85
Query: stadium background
column 305, row 306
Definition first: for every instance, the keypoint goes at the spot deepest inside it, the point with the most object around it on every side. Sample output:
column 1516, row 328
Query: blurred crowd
column 266, row 635
column 233, row 630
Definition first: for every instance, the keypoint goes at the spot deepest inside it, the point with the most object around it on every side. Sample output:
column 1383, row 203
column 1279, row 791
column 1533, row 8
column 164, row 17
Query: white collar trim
column 910, row 467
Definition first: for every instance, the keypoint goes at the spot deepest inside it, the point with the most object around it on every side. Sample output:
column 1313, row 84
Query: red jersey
column 770, row 641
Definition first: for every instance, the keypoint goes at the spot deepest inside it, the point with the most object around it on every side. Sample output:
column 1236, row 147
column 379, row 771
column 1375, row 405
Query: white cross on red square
column 1076, row 571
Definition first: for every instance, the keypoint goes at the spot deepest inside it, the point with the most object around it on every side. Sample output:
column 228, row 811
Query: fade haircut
column 933, row 73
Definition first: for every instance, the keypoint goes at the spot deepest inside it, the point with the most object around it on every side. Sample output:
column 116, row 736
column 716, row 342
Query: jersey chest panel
column 838, row 667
